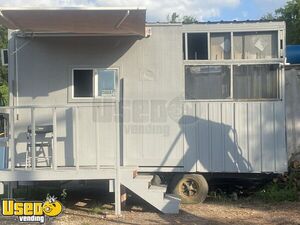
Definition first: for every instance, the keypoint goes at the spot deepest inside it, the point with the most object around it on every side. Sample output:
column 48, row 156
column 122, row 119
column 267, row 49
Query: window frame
column 186, row 56
column 234, row 34
column 231, row 98
column 96, row 86
column 280, row 38
column 95, row 96
column 3, row 63
column 278, row 89
column 211, row 99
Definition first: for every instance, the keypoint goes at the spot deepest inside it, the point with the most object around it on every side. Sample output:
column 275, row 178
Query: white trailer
column 121, row 99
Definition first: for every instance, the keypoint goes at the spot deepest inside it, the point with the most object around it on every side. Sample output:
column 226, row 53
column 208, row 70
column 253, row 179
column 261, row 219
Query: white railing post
column 33, row 147
column 76, row 130
column 12, row 138
column 117, row 179
column 97, row 123
column 54, row 148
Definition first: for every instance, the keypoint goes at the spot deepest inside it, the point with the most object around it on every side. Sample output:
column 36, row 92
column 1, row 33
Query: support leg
column 123, row 196
column 117, row 198
column 9, row 190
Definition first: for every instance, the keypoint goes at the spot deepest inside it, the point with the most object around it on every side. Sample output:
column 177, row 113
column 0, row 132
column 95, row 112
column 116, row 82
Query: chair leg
column 44, row 154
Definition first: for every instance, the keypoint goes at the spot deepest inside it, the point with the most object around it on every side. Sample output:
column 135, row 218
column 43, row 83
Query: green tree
column 173, row 18
column 290, row 13
column 3, row 70
column 176, row 18
column 269, row 16
column 189, row 19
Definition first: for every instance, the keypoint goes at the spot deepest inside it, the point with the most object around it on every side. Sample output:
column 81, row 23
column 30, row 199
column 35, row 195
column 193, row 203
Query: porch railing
column 15, row 117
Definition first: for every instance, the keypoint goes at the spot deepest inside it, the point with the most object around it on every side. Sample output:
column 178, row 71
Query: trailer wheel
column 191, row 188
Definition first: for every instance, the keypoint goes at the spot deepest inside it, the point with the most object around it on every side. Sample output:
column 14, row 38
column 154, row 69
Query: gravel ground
column 88, row 211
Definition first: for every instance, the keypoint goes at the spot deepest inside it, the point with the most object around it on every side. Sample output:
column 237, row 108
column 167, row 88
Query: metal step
column 158, row 188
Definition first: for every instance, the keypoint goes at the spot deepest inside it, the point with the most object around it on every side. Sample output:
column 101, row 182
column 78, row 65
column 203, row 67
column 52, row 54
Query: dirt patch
column 87, row 212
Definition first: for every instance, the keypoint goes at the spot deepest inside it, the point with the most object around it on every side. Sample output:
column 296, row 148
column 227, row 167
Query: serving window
column 207, row 82
column 94, row 83
column 238, row 82
column 255, row 82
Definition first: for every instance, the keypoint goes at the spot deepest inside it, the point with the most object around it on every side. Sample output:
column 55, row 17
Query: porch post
column 12, row 138
column 117, row 178
column 76, row 141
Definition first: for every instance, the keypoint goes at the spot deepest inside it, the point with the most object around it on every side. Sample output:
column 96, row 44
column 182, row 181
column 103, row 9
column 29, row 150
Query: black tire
column 191, row 188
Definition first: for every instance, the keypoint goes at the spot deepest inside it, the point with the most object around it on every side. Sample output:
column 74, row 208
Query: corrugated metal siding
column 292, row 76
column 236, row 137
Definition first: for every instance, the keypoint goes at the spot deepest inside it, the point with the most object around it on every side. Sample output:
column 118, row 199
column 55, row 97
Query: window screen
column 220, row 46
column 106, row 82
column 207, row 82
column 255, row 82
column 255, row 45
column 197, row 46
column 83, row 83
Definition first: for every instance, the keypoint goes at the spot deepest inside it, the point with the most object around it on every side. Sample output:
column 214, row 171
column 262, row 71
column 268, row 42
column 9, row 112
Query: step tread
column 172, row 197
column 158, row 188
column 143, row 177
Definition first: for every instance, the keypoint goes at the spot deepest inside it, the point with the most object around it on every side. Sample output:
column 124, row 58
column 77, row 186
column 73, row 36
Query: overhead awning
column 102, row 21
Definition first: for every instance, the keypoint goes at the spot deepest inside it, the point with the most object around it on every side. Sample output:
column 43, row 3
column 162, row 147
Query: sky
column 158, row 10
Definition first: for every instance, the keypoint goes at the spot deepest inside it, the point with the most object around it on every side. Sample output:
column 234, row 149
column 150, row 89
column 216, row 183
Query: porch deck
column 61, row 173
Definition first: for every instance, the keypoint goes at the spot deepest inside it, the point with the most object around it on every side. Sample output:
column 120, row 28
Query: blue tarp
column 293, row 54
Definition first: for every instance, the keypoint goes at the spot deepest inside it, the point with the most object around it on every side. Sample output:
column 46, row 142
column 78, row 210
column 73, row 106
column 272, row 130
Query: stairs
column 154, row 195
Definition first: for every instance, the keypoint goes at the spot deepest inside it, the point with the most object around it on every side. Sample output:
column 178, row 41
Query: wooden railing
column 14, row 113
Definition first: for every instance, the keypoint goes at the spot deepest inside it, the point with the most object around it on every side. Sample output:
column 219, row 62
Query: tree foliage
column 189, row 19
column 173, row 18
column 176, row 18
column 290, row 13
column 3, row 70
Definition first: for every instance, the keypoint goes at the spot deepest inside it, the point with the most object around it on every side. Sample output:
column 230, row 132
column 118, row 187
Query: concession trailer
column 99, row 94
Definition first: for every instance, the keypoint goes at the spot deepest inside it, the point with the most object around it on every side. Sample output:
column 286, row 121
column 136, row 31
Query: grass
column 99, row 209
column 38, row 193
column 285, row 188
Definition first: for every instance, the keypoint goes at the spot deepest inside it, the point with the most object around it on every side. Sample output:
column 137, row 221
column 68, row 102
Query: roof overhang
column 99, row 21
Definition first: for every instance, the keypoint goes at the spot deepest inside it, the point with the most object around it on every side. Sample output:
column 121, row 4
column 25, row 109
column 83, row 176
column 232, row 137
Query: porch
column 60, row 143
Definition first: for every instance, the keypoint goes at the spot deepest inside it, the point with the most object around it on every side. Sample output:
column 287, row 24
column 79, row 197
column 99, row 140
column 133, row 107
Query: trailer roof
column 100, row 20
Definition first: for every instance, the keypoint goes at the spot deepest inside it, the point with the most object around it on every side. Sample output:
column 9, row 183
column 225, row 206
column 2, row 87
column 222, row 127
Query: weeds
column 98, row 209
column 284, row 188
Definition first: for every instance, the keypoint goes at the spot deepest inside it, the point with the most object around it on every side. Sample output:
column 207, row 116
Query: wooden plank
column 280, row 142
column 189, row 128
column 268, row 141
column 215, row 125
column 241, row 137
column 76, row 136
column 254, row 136
column 203, row 137
column 97, row 124
column 230, row 147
